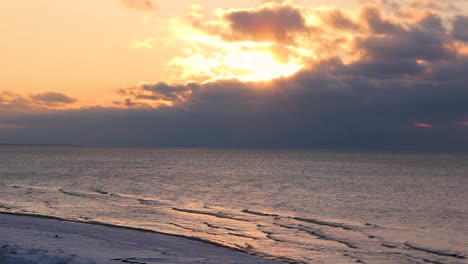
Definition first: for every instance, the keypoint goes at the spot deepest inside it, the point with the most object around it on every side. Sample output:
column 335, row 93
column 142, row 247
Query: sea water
column 297, row 206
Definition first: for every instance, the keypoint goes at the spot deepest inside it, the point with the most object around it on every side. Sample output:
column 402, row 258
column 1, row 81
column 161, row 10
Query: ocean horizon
column 304, row 206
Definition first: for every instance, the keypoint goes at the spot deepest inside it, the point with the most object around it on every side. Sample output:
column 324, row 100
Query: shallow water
column 293, row 205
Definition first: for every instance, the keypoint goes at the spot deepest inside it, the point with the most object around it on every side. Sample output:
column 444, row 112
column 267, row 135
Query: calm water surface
column 293, row 205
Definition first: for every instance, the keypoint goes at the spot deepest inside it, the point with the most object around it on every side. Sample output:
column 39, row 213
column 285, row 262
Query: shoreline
column 38, row 224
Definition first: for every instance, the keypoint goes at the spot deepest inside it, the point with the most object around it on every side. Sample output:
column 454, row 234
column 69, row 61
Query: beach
column 29, row 239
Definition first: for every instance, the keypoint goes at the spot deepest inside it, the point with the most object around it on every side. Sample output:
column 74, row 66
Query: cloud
column 332, row 105
column 460, row 28
column 372, row 78
column 53, row 99
column 144, row 5
column 5, row 126
column 376, row 23
column 271, row 22
column 369, row 85
column 422, row 125
column 338, row 19
column 299, row 36
column 10, row 101
column 390, row 4
column 426, row 40
column 406, row 73
column 426, row 4
column 274, row 21
column 154, row 95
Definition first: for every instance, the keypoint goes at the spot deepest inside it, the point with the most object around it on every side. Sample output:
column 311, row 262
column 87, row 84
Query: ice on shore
column 27, row 240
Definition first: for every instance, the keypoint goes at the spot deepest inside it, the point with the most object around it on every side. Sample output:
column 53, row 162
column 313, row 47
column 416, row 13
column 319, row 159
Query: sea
column 290, row 205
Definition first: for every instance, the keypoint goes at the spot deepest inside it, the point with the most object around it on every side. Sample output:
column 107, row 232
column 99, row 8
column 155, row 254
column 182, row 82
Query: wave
column 219, row 227
column 278, row 236
column 6, row 207
column 100, row 191
column 319, row 235
column 150, row 202
column 218, row 214
column 324, row 223
column 247, row 211
column 444, row 253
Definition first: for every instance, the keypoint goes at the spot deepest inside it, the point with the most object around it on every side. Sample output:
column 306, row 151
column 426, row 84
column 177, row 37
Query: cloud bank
column 371, row 78
column 13, row 102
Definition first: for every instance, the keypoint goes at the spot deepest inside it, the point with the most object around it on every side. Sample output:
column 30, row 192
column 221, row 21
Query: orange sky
column 273, row 72
column 87, row 49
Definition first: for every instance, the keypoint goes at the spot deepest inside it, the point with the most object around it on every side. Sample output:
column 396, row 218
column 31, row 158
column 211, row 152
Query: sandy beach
column 29, row 239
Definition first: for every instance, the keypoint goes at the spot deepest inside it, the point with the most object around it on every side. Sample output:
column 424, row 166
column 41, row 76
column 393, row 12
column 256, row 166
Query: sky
column 246, row 73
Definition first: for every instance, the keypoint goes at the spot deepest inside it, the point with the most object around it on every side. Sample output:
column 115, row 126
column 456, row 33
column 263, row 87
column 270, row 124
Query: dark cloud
column 148, row 95
column 166, row 92
column 339, row 20
column 460, row 28
column 374, row 20
column 324, row 107
column 53, row 99
column 270, row 23
column 399, row 67
column 407, row 91
column 10, row 101
column 427, row 40
column 390, row 4
column 332, row 105
column 453, row 71
column 426, row 4
column 432, row 22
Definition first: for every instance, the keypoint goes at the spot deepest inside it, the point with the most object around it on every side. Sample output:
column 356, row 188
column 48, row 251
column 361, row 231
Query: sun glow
column 244, row 65
column 258, row 66
column 206, row 57
column 233, row 61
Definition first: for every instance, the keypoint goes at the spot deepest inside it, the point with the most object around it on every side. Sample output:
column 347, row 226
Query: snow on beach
column 27, row 240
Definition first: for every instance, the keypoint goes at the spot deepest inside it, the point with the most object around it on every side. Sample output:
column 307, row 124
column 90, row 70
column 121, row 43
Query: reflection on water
column 297, row 206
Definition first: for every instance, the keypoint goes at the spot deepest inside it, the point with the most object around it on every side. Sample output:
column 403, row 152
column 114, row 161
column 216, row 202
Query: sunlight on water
column 297, row 206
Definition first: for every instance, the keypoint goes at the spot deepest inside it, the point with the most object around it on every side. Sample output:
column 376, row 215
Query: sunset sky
column 301, row 73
